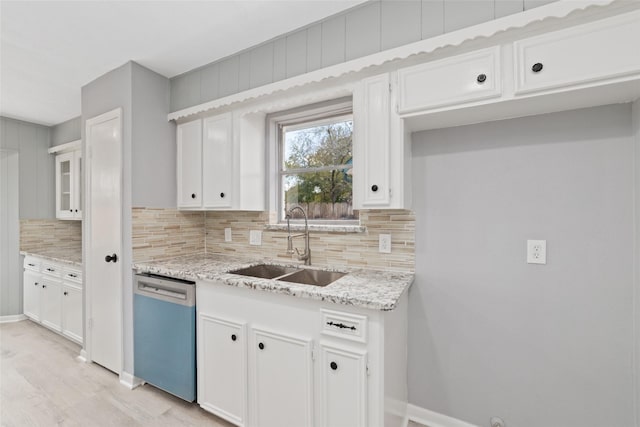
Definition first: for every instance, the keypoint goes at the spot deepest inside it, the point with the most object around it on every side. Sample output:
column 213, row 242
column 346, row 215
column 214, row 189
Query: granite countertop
column 72, row 256
column 373, row 289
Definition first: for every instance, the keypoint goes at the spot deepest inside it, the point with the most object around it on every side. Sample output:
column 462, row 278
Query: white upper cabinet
column 584, row 54
column 462, row 78
column 217, row 156
column 221, row 163
column 189, row 167
column 381, row 150
column 69, row 182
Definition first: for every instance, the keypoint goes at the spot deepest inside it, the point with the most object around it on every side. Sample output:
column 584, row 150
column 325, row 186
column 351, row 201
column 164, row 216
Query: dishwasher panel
column 165, row 334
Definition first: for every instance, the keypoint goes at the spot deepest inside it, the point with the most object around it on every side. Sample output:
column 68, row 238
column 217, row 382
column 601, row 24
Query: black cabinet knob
column 71, row 210
column 222, row 195
column 537, row 67
column 334, row 366
column 481, row 78
column 76, row 210
column 111, row 258
column 233, row 337
column 193, row 195
column 44, row 286
column 374, row 188
column 261, row 346
column 66, row 293
column 36, row 284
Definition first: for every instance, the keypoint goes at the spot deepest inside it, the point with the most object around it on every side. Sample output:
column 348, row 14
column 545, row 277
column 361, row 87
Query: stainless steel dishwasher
column 164, row 328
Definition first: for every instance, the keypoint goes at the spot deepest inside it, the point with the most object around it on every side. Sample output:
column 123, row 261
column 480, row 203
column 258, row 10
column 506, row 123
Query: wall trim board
column 13, row 318
column 130, row 381
column 82, row 357
column 635, row 111
column 432, row 419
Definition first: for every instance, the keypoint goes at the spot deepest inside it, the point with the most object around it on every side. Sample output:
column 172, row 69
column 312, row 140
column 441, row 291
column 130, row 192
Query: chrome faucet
column 306, row 255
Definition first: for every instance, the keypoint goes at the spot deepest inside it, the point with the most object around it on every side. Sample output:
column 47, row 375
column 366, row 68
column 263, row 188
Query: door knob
column 111, row 258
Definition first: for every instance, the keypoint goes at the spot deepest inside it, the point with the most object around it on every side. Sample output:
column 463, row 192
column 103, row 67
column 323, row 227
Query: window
column 315, row 166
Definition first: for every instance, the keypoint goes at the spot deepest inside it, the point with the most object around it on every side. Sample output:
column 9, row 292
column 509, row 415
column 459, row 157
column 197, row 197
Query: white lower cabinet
column 343, row 386
column 52, row 296
column 282, row 380
column 270, row 360
column 51, row 303
column 31, row 295
column 72, row 312
column 222, row 368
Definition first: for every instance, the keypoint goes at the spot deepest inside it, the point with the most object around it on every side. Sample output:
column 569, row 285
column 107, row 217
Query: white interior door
column 104, row 240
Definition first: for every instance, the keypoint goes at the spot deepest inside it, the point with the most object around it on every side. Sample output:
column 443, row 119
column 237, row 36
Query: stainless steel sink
column 303, row 276
column 265, row 271
column 312, row 277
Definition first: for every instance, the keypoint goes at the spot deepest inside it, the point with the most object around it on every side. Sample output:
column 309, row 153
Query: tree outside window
column 316, row 173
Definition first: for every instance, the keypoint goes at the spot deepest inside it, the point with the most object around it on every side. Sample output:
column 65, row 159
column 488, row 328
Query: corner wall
column 490, row 335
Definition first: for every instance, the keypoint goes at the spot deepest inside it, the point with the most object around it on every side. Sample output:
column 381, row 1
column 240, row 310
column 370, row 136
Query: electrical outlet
column 255, row 237
column 536, row 251
column 227, row 235
column 384, row 243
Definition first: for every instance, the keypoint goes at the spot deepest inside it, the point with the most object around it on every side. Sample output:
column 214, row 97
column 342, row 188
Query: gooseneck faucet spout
column 306, row 255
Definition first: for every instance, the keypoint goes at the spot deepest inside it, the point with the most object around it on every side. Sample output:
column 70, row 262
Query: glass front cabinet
column 69, row 183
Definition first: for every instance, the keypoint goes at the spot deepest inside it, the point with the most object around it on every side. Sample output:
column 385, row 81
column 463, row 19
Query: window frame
column 304, row 117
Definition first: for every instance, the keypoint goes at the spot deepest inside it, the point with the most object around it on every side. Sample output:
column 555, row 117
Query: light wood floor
column 42, row 384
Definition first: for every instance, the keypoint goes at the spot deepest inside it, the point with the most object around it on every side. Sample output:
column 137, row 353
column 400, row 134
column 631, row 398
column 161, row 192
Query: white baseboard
column 83, row 356
column 129, row 381
column 12, row 318
column 433, row 419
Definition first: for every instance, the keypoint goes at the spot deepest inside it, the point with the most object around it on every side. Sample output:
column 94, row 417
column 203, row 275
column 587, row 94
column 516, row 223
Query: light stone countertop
column 373, row 289
column 72, row 256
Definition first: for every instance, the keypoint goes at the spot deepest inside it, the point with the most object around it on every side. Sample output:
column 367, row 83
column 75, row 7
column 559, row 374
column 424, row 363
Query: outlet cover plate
column 227, row 235
column 536, row 251
column 255, row 237
column 384, row 243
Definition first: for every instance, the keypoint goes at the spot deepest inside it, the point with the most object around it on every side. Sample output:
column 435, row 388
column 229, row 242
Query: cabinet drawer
column 459, row 79
column 31, row 263
column 339, row 324
column 72, row 275
column 583, row 54
column 51, row 269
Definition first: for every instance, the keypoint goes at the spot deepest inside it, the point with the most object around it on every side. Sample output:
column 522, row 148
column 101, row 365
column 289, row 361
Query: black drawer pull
column 72, row 275
column 36, row 284
column 537, row 67
column 374, row 188
column 31, row 265
column 261, row 346
column 334, row 366
column 233, row 337
column 193, row 195
column 44, row 286
column 222, row 195
column 66, row 293
column 481, row 78
column 341, row 326
column 50, row 269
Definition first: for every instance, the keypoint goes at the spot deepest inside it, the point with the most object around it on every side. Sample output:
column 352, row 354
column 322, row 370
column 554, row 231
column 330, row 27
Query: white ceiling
column 50, row 49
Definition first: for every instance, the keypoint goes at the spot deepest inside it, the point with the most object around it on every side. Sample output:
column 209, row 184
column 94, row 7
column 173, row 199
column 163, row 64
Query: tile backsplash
column 162, row 233
column 38, row 234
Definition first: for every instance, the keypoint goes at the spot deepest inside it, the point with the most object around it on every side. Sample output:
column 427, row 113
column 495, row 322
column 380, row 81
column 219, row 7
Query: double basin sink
column 304, row 276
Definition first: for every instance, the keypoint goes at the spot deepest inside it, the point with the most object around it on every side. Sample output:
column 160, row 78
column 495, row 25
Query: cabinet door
column 371, row 143
column 31, row 295
column 583, row 54
column 64, row 186
column 189, row 167
column 72, row 312
column 217, row 162
column 77, row 183
column 222, row 367
column 282, row 380
column 51, row 303
column 343, row 385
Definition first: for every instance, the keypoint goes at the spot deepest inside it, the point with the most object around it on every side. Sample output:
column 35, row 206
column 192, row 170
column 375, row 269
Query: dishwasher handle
column 165, row 290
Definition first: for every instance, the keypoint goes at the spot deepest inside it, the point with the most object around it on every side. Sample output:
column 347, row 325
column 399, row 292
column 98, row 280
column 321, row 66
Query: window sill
column 322, row 228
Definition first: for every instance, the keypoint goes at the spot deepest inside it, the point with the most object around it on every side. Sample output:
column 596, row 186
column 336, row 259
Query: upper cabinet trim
column 549, row 14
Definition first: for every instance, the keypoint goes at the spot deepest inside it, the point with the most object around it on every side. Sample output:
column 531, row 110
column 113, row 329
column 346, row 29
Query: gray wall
column 10, row 267
column 366, row 29
column 149, row 174
column 36, row 167
column 490, row 335
column 66, row 131
column 153, row 141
